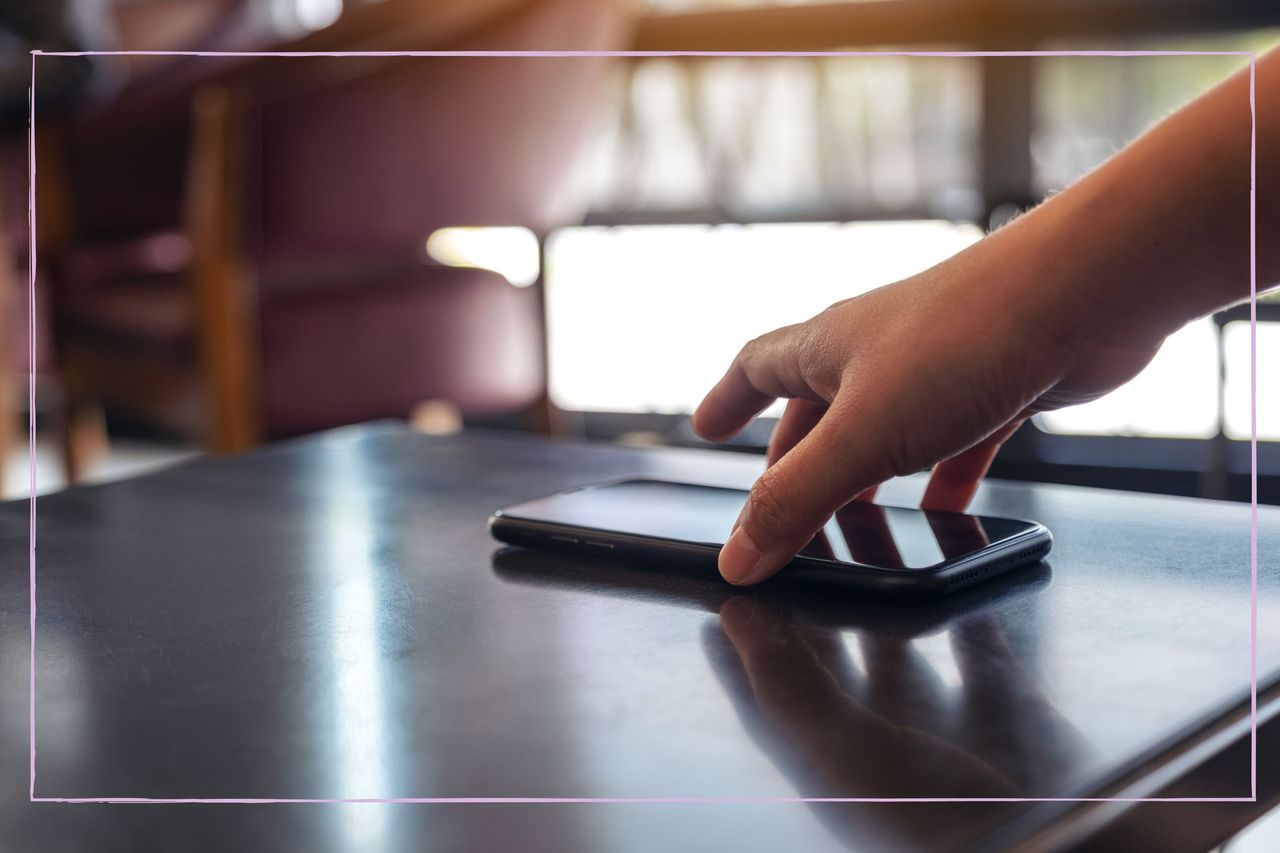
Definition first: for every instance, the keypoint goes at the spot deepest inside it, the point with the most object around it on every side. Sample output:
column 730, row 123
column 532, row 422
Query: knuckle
column 750, row 352
column 813, row 351
column 761, row 344
column 897, row 463
column 901, row 458
column 821, row 360
column 889, row 450
column 768, row 515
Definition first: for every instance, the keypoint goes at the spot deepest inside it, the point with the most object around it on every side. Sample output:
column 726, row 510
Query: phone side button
column 569, row 539
column 606, row 545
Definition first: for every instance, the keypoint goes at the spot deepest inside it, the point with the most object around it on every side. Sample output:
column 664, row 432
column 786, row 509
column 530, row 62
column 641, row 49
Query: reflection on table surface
column 869, row 716
column 847, row 701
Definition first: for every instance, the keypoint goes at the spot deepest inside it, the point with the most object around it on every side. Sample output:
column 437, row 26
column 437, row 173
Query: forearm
column 1159, row 234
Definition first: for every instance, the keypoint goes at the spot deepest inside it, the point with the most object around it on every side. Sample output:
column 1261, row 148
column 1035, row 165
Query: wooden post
column 81, row 426
column 226, row 309
column 8, row 378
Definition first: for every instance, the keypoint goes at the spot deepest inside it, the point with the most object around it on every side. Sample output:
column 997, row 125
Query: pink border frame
column 1253, row 417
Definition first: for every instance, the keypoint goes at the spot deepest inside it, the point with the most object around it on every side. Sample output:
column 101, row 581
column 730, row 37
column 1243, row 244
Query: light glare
column 511, row 252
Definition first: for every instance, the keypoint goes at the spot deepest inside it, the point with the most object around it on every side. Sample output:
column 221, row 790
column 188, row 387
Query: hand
column 1059, row 307
column 936, row 370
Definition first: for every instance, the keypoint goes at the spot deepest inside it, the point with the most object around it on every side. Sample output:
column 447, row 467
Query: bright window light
column 1175, row 396
column 318, row 14
column 647, row 318
column 512, row 252
column 1236, row 389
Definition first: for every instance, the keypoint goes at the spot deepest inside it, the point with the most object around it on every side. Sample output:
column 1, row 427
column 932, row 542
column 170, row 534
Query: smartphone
column 901, row 619
column 866, row 547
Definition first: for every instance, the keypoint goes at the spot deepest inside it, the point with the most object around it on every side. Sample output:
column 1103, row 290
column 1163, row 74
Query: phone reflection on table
column 838, row 693
column 889, row 725
column 700, row 587
column 866, row 715
column 898, row 538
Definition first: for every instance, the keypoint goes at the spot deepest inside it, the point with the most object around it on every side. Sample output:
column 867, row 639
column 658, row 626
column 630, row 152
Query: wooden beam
column 388, row 25
column 925, row 23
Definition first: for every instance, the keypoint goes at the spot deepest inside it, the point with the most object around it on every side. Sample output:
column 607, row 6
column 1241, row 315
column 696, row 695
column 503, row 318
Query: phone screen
column 862, row 533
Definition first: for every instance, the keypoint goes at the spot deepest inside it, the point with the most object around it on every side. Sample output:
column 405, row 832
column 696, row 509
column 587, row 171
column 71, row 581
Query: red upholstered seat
column 350, row 354
column 346, row 166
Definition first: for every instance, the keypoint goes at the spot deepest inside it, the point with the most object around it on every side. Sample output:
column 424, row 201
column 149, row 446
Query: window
column 1088, row 107
column 1236, row 389
column 857, row 171
column 646, row 318
column 763, row 140
column 1175, row 396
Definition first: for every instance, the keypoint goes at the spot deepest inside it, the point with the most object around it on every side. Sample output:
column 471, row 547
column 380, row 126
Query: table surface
column 329, row 618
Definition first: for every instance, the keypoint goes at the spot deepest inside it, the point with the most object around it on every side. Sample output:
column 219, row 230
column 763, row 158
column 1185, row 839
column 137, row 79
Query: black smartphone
column 868, row 547
column 901, row 619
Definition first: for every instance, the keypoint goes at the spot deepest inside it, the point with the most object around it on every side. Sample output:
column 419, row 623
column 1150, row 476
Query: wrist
column 1075, row 269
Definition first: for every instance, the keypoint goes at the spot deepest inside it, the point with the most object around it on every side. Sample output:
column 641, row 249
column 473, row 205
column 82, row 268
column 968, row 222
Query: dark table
column 328, row 618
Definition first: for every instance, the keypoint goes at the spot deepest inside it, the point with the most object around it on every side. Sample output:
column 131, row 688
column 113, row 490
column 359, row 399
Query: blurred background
column 235, row 250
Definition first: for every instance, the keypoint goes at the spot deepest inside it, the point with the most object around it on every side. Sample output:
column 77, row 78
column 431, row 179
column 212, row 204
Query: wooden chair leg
column 8, row 424
column 8, row 386
column 82, row 436
column 80, row 425
column 225, row 304
column 8, row 400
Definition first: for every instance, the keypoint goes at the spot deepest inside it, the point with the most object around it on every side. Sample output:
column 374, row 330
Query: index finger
column 764, row 370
